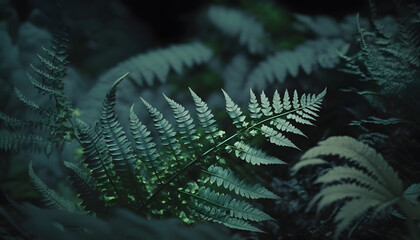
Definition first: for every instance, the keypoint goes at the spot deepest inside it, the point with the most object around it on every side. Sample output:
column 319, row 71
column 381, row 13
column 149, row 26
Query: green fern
column 49, row 196
column 379, row 52
column 314, row 53
column 145, row 67
column 55, row 126
column 368, row 184
column 142, row 175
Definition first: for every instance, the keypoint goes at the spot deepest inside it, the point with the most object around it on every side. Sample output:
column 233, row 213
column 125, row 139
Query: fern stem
column 175, row 175
column 203, row 199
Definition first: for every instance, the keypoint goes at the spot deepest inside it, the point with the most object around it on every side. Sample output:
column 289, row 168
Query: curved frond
column 319, row 53
column 373, row 184
column 145, row 67
column 361, row 154
column 125, row 163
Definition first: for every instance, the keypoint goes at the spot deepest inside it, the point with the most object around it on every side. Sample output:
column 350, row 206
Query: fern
column 314, row 53
column 15, row 141
column 379, row 52
column 49, row 196
column 238, row 24
column 136, row 177
column 55, row 126
column 145, row 67
column 367, row 184
column 227, row 179
column 86, row 187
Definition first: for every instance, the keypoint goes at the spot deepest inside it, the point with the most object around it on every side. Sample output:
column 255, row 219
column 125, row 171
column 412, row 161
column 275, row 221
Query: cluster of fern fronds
column 195, row 164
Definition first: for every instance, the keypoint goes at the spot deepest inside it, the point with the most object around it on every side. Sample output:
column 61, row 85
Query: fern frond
column 167, row 136
column 98, row 159
column 162, row 169
column 50, row 197
column 234, row 75
column 34, row 106
column 206, row 118
column 307, row 56
column 186, row 126
column 325, row 26
column 379, row 51
column 209, row 213
column 145, row 145
column 16, row 141
column 234, row 112
column 227, row 179
column 372, row 185
column 235, row 208
column 86, row 187
column 361, row 154
column 145, row 67
column 277, row 137
column 15, row 123
column 119, row 147
column 236, row 23
column 253, row 155
column 42, row 87
column 307, row 162
column 253, row 106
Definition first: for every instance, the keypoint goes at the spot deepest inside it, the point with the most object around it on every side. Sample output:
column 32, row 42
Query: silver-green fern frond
column 49, row 196
column 146, row 67
column 312, row 54
column 369, row 183
column 54, row 127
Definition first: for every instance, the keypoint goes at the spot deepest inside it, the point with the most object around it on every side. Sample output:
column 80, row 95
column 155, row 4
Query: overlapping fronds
column 381, row 50
column 146, row 67
column 54, row 127
column 85, row 185
column 235, row 23
column 314, row 53
column 136, row 177
column 369, row 183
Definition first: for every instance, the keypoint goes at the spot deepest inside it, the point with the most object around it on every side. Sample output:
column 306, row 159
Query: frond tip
column 371, row 185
